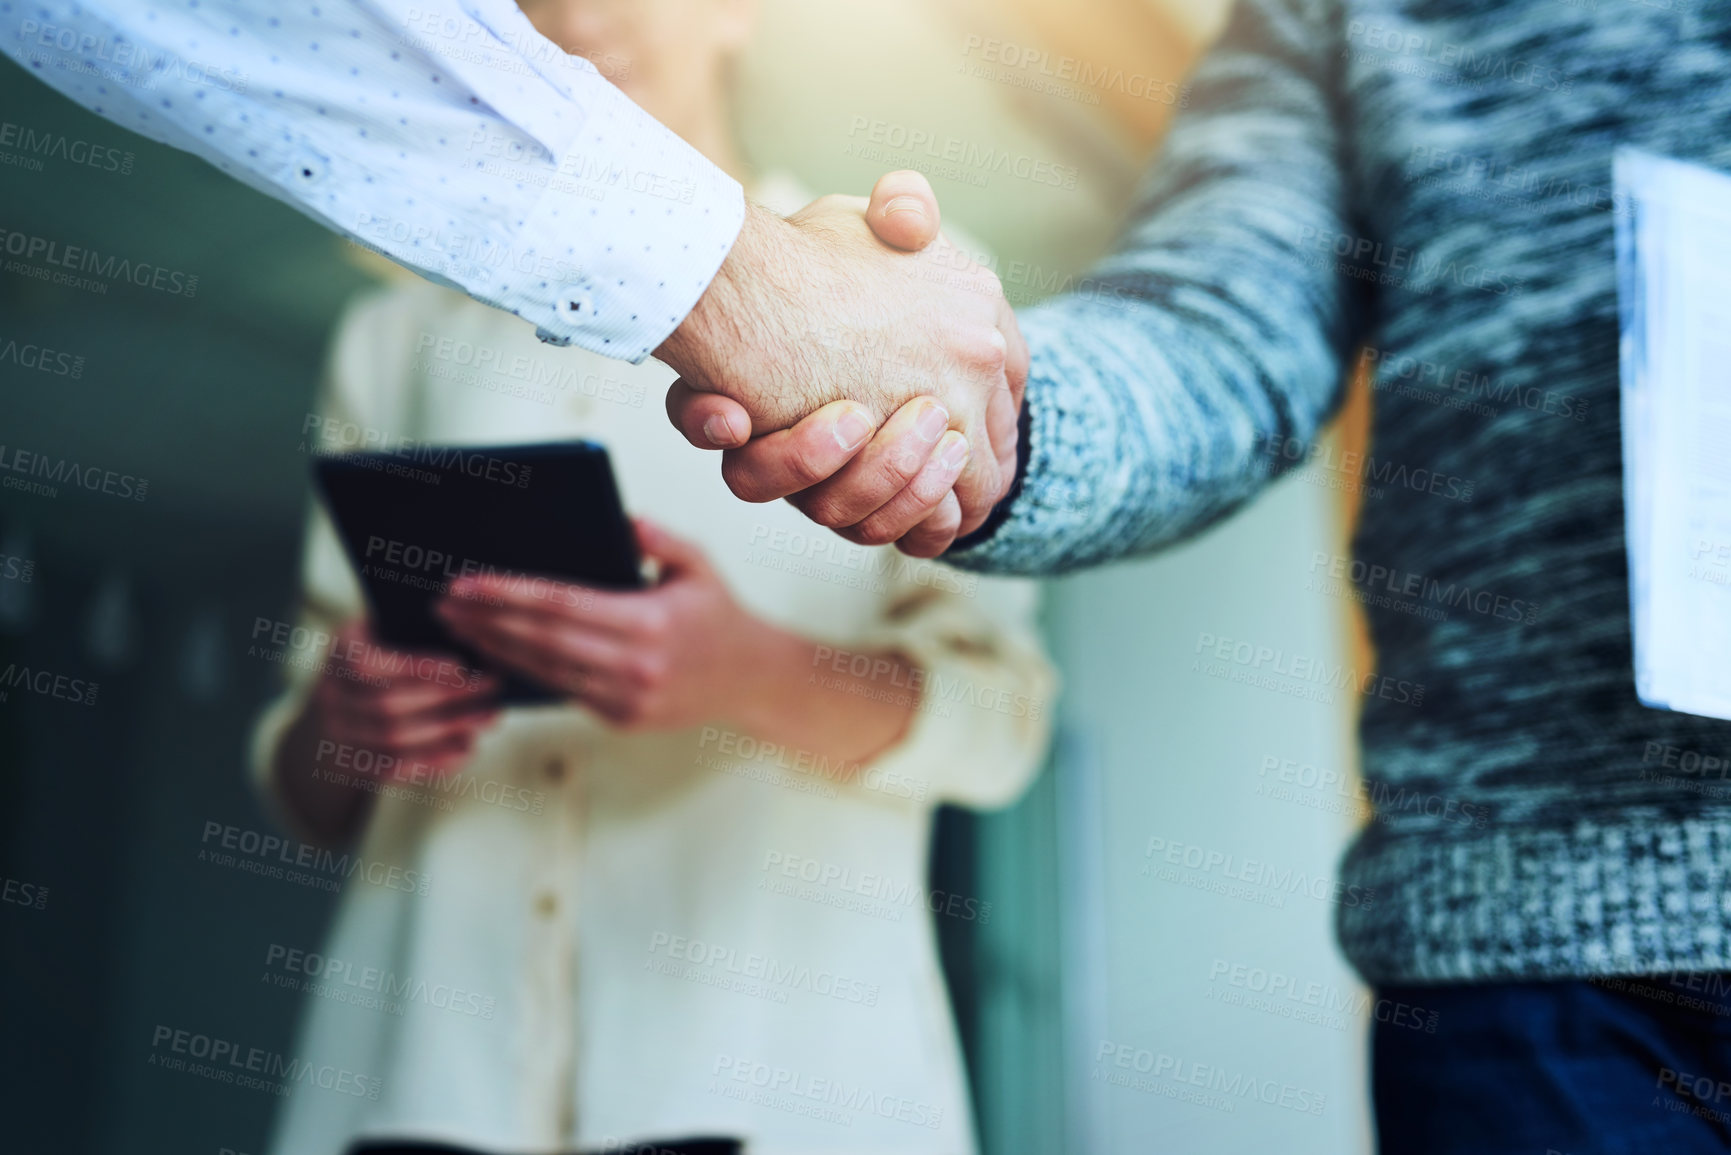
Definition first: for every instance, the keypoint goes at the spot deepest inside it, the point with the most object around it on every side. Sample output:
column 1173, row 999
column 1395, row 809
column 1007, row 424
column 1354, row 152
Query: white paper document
column 1674, row 302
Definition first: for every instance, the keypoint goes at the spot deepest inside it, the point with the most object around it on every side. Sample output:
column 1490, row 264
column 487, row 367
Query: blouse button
column 546, row 904
column 555, row 769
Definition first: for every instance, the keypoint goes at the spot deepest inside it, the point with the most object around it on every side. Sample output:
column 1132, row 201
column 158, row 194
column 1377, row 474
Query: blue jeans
column 1636, row 1065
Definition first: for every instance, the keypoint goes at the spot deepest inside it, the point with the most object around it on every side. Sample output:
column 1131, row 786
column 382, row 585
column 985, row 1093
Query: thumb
column 675, row 555
column 903, row 211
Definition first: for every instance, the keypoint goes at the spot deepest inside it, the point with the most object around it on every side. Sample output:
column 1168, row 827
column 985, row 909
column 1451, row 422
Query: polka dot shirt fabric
column 452, row 138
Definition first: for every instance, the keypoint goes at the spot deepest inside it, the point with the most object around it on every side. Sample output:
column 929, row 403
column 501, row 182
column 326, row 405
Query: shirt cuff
column 980, row 721
column 622, row 295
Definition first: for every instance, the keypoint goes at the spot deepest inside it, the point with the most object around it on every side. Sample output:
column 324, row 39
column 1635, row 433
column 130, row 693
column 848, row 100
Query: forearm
column 1203, row 356
column 332, row 813
column 797, row 698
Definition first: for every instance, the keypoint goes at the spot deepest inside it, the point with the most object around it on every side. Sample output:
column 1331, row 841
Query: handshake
column 850, row 359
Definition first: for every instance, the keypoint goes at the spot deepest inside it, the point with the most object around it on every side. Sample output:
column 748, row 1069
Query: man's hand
column 821, row 307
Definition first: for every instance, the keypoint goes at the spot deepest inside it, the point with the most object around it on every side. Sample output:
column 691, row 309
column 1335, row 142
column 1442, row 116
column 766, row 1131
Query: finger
column 708, row 420
column 481, row 595
column 774, row 465
column 599, row 612
column 530, row 637
column 405, row 700
column 980, row 484
column 903, row 211
column 935, row 534
column 1016, row 358
column 1003, row 427
column 676, row 555
column 404, row 734
column 530, row 661
column 920, row 499
column 892, row 459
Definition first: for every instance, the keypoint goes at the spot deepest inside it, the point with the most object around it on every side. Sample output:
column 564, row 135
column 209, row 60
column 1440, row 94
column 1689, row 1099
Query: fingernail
column 852, row 428
column 931, row 424
column 955, row 453
column 718, row 431
column 904, row 205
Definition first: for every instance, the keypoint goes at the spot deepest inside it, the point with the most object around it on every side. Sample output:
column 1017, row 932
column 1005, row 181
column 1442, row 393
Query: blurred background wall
column 1091, row 958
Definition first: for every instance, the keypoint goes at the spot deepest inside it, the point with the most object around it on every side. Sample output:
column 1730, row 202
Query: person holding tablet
column 684, row 908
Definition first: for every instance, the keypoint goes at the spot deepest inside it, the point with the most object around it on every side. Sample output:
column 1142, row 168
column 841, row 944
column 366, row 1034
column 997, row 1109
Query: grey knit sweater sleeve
column 1207, row 339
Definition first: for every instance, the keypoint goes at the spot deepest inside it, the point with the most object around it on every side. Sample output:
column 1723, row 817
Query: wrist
column 717, row 318
column 737, row 340
column 765, row 684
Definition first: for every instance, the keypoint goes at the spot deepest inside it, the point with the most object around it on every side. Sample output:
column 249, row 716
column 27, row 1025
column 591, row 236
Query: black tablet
column 415, row 519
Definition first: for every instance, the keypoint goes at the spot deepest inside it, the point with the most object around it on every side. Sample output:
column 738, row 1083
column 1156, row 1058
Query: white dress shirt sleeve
column 448, row 135
column 986, row 691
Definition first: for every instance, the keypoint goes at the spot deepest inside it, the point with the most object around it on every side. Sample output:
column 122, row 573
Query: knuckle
column 805, row 466
column 875, row 531
column 827, row 509
column 742, row 478
column 650, row 672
